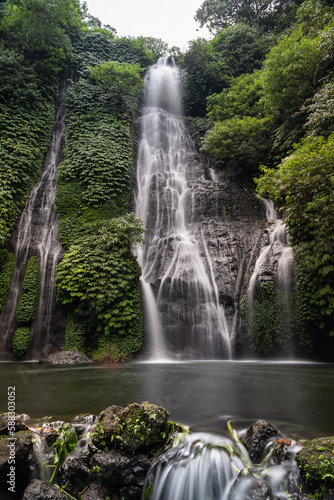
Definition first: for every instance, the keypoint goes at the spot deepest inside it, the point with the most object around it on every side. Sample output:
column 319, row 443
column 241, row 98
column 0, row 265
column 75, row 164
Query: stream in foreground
column 203, row 395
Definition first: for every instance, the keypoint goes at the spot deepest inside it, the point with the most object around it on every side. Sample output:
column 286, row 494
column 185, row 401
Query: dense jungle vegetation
column 260, row 98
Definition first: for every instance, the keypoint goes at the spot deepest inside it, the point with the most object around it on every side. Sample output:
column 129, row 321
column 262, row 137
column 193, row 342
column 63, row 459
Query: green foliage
column 41, row 29
column 219, row 14
column 91, row 47
column 153, row 45
column 28, row 301
column 320, row 120
column 269, row 319
column 75, row 334
column 289, row 77
column 204, row 74
column 242, row 48
column 239, row 145
column 7, row 266
column 66, row 443
column 26, row 120
column 302, row 187
column 242, row 98
column 21, row 340
column 122, row 82
column 99, row 276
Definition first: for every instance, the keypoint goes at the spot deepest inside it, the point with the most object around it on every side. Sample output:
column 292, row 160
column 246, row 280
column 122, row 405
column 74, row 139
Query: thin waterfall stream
column 182, row 310
column 278, row 238
column 37, row 235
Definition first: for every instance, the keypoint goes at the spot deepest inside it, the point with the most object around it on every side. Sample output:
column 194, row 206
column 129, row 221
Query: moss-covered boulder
column 137, row 428
column 316, row 463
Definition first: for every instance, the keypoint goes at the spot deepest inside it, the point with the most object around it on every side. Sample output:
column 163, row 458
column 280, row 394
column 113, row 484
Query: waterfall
column 207, row 467
column 278, row 240
column 182, row 309
column 37, row 235
column 270, row 307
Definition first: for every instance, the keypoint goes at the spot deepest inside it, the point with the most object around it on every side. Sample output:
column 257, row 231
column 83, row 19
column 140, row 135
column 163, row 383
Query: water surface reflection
column 200, row 394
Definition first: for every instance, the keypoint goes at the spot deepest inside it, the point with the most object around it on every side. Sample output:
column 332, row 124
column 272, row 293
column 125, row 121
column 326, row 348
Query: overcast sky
column 171, row 20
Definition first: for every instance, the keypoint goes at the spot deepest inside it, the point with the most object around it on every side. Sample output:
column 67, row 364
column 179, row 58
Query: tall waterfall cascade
column 182, row 310
column 37, row 235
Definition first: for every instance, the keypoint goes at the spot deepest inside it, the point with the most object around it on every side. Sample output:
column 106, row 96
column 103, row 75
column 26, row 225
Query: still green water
column 203, row 395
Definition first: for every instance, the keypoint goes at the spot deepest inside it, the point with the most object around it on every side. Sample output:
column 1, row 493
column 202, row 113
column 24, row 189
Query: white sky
column 171, row 20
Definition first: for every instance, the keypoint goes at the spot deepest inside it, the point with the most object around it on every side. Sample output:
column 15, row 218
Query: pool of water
column 202, row 395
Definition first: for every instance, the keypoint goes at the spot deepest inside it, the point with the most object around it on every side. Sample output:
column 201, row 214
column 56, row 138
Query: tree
column 41, row 30
column 155, row 45
column 243, row 98
column 320, row 109
column 289, row 76
column 266, row 14
column 205, row 73
column 239, row 145
column 242, row 48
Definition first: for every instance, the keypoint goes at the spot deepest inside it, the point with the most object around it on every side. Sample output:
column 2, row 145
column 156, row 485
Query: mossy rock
column 316, row 463
column 137, row 428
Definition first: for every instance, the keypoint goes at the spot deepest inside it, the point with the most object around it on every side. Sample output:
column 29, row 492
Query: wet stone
column 256, row 439
column 38, row 490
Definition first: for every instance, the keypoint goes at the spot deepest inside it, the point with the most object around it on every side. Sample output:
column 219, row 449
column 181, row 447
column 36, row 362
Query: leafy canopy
column 267, row 14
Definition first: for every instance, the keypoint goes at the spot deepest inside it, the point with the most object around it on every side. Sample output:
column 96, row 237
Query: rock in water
column 67, row 358
column 256, row 438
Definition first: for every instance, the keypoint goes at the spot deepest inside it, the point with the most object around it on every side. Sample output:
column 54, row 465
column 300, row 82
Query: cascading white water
column 210, row 467
column 278, row 238
column 199, row 470
column 186, row 317
column 37, row 234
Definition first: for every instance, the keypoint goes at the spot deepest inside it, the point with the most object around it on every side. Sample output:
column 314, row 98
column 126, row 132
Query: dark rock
column 248, row 488
column 19, row 423
column 136, row 428
column 95, row 492
column 316, row 464
column 37, row 490
column 256, row 439
column 17, row 450
column 67, row 358
column 118, row 470
column 283, row 450
column 73, row 475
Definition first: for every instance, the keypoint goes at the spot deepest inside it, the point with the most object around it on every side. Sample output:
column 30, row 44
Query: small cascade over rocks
column 182, row 310
column 211, row 467
column 74, row 438
column 37, row 235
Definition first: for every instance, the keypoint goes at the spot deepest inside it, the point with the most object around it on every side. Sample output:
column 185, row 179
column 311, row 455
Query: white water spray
column 186, row 318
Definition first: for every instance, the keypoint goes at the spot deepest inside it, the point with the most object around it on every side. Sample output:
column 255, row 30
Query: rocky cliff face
column 230, row 224
column 235, row 229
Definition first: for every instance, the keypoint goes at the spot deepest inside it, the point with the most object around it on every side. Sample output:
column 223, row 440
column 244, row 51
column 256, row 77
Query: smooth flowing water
column 182, row 312
column 203, row 395
column 37, row 235
column 279, row 244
